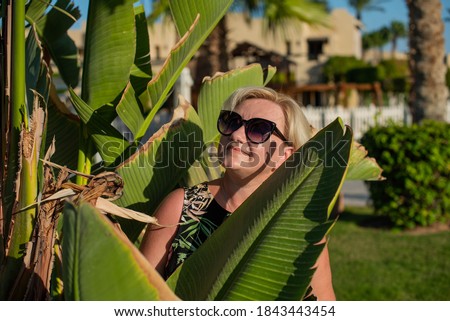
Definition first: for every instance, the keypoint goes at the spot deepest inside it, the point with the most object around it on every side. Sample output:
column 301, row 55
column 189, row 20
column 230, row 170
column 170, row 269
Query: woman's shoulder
column 169, row 210
column 183, row 194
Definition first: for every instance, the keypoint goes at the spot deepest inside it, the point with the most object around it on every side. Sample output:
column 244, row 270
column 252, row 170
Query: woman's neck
column 231, row 193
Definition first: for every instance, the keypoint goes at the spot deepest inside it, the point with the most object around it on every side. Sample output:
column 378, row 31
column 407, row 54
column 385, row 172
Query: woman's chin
column 238, row 160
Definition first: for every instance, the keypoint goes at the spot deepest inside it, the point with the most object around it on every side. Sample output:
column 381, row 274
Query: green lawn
column 371, row 262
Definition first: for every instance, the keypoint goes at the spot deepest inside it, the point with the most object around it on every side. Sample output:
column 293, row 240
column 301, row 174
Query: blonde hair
column 297, row 128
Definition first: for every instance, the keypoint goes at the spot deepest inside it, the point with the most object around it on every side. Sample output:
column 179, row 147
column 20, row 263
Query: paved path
column 355, row 193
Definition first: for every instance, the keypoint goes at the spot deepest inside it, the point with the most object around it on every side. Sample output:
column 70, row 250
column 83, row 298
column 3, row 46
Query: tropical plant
column 76, row 257
column 365, row 5
column 397, row 78
column 25, row 270
column 377, row 39
column 337, row 67
column 397, row 30
column 429, row 94
column 118, row 85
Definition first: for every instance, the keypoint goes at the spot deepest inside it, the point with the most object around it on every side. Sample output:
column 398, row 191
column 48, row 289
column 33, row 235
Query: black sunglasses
column 257, row 130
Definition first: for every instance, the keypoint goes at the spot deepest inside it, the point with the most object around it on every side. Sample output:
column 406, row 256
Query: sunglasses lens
column 228, row 122
column 259, row 130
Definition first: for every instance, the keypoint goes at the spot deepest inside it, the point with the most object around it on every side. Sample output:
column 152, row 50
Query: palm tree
column 397, row 30
column 428, row 96
column 376, row 39
column 365, row 5
column 385, row 36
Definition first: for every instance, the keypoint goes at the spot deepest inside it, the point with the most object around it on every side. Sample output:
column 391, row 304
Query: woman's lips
column 238, row 148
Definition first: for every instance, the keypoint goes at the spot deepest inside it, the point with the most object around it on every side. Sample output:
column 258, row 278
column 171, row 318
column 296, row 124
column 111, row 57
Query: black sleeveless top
column 200, row 216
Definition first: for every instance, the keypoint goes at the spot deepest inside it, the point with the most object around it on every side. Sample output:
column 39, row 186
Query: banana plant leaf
column 109, row 141
column 129, row 110
column 110, row 48
column 99, row 263
column 141, row 71
column 33, row 56
column 63, row 127
column 154, row 170
column 194, row 20
column 267, row 248
column 362, row 167
column 52, row 28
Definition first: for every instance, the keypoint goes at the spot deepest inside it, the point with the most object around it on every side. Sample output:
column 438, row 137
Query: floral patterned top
column 200, row 216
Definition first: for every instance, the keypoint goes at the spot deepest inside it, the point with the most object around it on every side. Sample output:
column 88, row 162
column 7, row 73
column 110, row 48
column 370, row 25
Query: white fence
column 361, row 119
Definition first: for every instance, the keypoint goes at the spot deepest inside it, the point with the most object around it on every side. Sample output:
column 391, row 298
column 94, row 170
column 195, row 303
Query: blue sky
column 394, row 10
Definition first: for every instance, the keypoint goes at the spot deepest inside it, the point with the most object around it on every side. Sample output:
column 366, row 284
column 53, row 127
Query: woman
column 260, row 129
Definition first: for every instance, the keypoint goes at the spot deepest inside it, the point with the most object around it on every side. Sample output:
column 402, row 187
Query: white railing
column 361, row 119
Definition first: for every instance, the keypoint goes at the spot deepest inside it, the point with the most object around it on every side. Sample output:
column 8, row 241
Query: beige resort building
column 303, row 50
column 307, row 48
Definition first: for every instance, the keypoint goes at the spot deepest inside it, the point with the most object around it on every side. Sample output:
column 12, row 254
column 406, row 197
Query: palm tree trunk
column 394, row 47
column 428, row 96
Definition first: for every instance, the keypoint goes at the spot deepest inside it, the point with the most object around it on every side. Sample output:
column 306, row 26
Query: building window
column 288, row 48
column 158, row 52
column 315, row 48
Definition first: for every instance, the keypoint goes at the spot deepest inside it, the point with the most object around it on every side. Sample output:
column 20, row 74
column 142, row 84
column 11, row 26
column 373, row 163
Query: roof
column 247, row 49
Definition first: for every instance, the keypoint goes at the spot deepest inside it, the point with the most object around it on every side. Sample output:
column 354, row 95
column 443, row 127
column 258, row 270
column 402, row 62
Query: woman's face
column 246, row 158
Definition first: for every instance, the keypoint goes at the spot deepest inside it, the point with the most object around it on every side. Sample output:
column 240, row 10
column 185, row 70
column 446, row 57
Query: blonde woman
column 260, row 128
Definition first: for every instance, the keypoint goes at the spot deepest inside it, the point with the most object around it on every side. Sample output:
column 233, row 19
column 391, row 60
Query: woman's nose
column 239, row 134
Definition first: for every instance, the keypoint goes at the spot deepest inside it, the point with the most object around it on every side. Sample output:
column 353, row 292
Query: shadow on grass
column 364, row 217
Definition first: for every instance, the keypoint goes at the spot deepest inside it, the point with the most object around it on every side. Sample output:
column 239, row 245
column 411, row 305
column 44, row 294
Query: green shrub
column 336, row 68
column 366, row 75
column 416, row 163
column 395, row 68
column 396, row 78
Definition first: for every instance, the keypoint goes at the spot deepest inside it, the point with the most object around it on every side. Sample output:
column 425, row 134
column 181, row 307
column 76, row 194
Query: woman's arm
column 321, row 283
column 157, row 240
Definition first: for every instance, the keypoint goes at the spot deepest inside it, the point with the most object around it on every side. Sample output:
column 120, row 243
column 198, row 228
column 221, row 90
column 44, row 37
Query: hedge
column 416, row 163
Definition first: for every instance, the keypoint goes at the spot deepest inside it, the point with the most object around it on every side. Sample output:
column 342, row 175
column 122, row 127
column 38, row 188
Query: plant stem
column 84, row 155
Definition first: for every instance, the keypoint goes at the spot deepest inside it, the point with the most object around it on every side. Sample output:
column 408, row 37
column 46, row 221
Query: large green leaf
column 141, row 71
column 194, row 20
column 216, row 90
column 52, row 29
column 361, row 167
column 151, row 173
column 35, row 10
column 64, row 128
column 129, row 110
column 110, row 143
column 37, row 76
column 266, row 249
column 99, row 263
column 110, row 46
